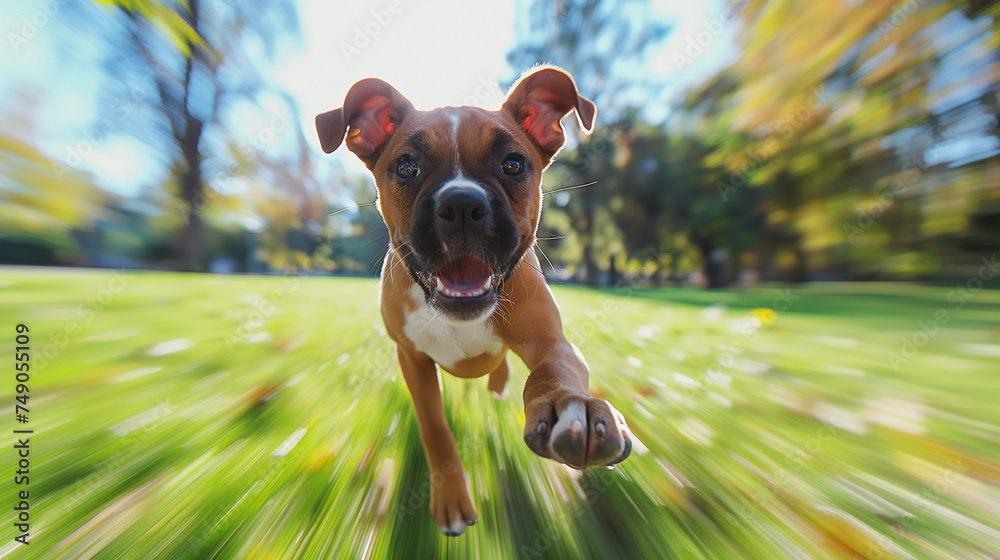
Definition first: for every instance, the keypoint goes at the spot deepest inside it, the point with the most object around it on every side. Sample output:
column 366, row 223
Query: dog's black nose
column 462, row 206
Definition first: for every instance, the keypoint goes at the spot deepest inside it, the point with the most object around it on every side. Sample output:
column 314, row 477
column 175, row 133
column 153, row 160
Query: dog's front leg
column 562, row 421
column 451, row 505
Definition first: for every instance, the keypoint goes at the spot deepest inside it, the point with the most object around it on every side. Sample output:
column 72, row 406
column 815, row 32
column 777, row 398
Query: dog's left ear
column 539, row 100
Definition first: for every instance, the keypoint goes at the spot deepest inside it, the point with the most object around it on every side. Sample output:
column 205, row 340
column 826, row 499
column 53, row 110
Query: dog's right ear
column 540, row 99
column 372, row 112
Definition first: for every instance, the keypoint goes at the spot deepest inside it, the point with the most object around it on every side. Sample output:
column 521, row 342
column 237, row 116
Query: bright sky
column 434, row 53
column 447, row 52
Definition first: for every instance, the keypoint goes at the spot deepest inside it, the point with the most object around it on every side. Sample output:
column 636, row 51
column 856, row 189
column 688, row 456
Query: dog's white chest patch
column 447, row 342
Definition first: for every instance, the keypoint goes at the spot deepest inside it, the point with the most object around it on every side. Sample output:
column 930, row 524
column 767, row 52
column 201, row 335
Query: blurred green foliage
column 845, row 141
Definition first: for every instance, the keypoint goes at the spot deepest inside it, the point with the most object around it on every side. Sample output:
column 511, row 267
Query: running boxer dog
column 460, row 191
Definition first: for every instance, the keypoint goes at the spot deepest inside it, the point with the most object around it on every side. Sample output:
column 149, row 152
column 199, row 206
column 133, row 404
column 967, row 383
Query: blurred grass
column 186, row 416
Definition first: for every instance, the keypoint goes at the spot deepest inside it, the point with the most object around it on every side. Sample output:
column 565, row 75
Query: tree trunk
column 193, row 195
column 801, row 273
column 766, row 266
column 714, row 267
column 715, row 273
column 589, row 266
column 192, row 187
column 612, row 271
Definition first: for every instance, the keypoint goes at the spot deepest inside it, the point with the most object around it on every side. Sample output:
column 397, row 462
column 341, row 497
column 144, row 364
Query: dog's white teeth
column 461, row 294
column 445, row 290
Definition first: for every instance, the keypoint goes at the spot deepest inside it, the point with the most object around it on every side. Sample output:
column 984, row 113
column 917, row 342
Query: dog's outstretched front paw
column 576, row 429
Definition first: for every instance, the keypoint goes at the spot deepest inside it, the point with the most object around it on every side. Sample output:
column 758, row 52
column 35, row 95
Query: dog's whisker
column 584, row 185
column 381, row 238
column 374, row 262
column 389, row 262
column 362, row 205
column 524, row 284
column 546, row 258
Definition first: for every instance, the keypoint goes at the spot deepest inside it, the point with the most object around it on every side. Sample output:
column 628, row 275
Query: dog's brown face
column 459, row 188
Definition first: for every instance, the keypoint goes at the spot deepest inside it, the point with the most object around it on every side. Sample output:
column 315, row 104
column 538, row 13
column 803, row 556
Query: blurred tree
column 40, row 210
column 855, row 143
column 843, row 142
column 203, row 56
column 583, row 37
column 287, row 188
column 838, row 115
column 359, row 243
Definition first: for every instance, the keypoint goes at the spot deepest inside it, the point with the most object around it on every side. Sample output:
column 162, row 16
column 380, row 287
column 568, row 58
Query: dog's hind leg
column 498, row 379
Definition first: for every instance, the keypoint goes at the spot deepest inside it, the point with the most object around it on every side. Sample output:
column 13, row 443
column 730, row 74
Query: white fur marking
column 457, row 182
column 455, row 118
column 573, row 418
column 445, row 341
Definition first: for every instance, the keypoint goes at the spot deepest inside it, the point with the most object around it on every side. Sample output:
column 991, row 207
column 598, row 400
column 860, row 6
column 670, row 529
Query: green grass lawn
column 185, row 416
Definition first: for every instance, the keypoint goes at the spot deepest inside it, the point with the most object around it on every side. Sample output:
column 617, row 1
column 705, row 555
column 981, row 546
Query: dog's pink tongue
column 465, row 274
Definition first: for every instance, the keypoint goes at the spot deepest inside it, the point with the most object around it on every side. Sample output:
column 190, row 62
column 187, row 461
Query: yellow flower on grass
column 766, row 315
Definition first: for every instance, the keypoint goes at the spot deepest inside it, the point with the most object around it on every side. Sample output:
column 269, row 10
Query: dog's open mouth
column 463, row 288
column 464, row 277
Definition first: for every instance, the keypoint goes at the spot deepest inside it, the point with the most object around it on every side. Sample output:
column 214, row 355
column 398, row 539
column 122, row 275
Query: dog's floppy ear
column 539, row 100
column 372, row 112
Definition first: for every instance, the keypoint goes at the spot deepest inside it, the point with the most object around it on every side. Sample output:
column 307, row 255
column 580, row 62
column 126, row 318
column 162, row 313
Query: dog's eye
column 512, row 165
column 407, row 168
